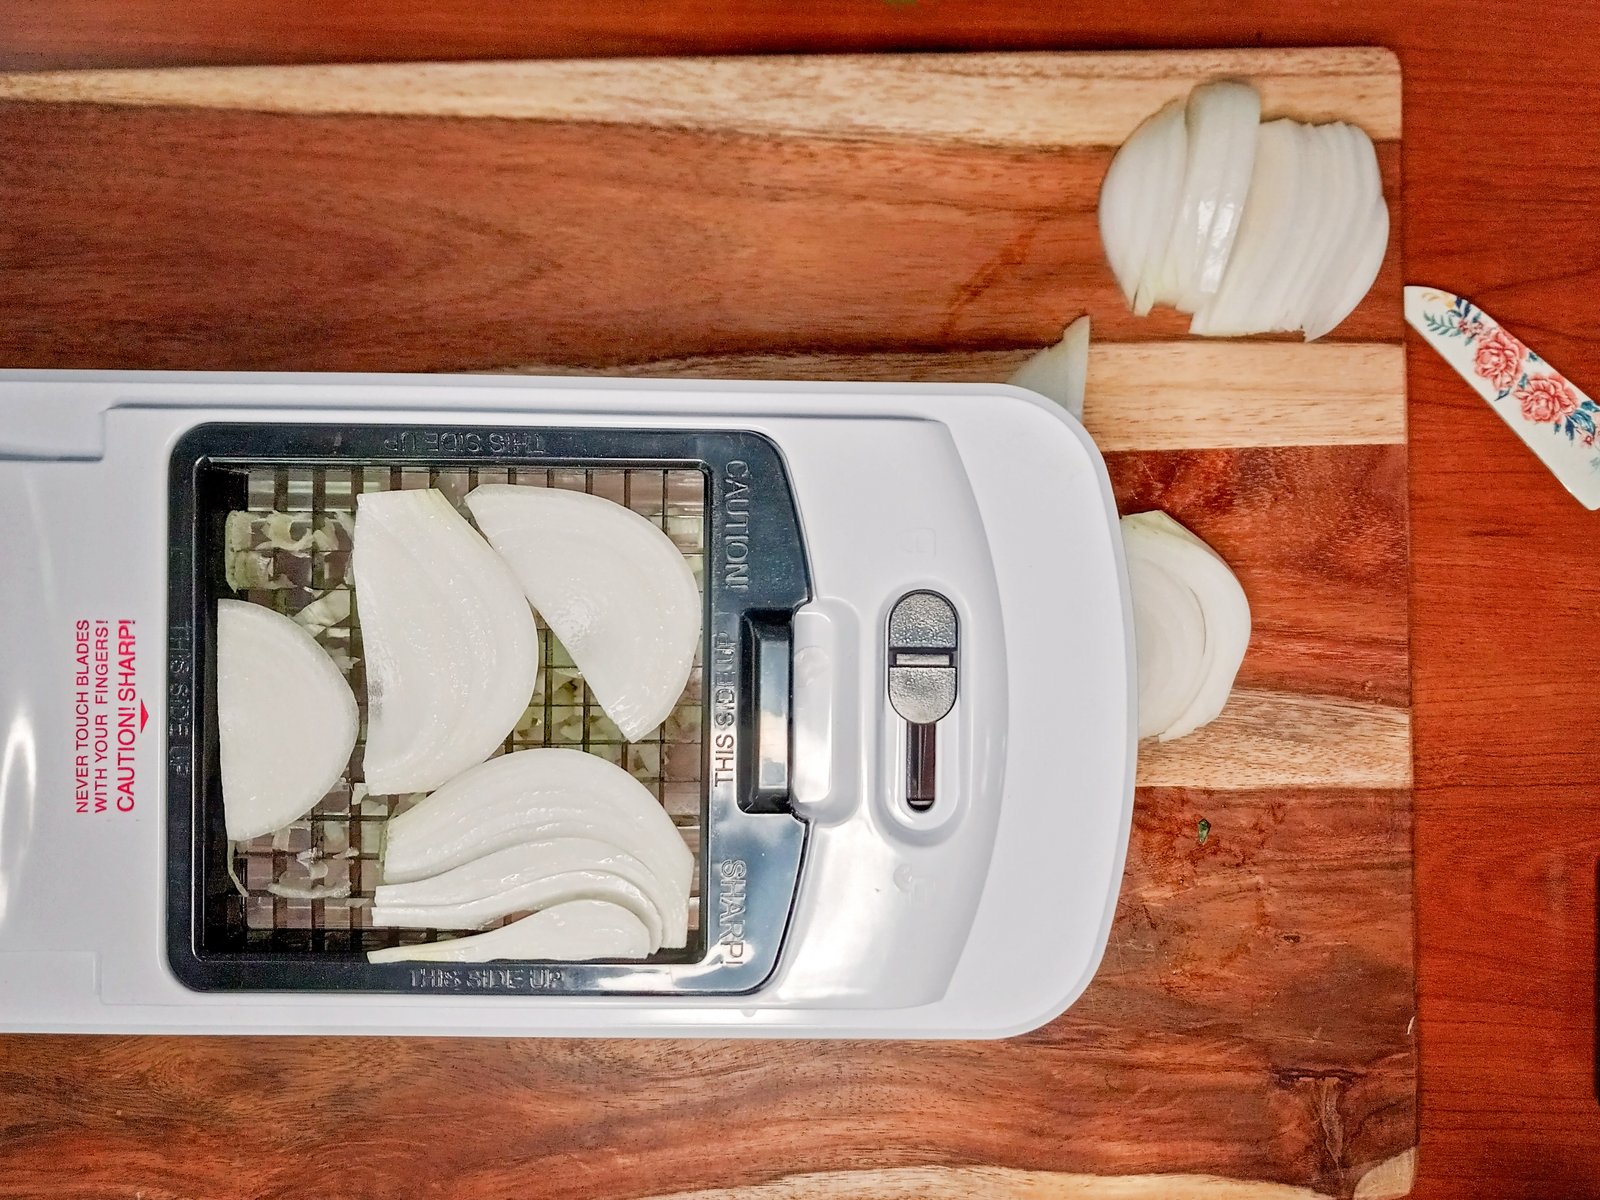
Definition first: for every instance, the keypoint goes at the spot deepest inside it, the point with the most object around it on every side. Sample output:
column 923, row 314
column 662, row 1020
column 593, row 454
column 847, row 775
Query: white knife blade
column 1556, row 420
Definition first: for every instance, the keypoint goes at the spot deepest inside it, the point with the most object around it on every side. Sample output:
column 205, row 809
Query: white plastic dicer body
column 983, row 913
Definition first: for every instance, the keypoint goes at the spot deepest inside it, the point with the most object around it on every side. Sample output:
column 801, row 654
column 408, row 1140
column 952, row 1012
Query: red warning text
column 108, row 715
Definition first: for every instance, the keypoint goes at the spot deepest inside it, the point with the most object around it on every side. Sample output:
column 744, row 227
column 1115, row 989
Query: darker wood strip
column 1256, row 990
column 76, row 33
column 1318, row 538
column 233, row 240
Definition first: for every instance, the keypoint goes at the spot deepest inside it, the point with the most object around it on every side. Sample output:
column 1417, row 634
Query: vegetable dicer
column 903, row 761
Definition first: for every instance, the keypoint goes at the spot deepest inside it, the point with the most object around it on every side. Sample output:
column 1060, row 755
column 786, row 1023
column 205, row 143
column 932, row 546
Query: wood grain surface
column 1038, row 101
column 745, row 214
column 598, row 215
column 1499, row 204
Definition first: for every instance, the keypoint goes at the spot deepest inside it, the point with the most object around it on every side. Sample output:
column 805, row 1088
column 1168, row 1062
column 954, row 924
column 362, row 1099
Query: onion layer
column 612, row 587
column 1221, row 119
column 286, row 719
column 544, row 892
column 452, row 652
column 532, row 796
column 1060, row 372
column 571, row 932
column 1186, row 668
column 1139, row 201
column 476, row 892
column 1266, row 232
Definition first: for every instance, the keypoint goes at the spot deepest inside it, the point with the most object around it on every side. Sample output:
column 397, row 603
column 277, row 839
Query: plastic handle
column 769, row 647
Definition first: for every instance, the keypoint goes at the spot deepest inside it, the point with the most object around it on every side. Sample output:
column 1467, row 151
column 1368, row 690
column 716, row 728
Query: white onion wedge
column 1060, row 372
column 1139, row 200
column 1264, row 236
column 531, row 796
column 612, row 587
column 572, row 932
column 286, row 719
column 452, row 652
column 1222, row 119
column 1157, row 547
column 496, row 879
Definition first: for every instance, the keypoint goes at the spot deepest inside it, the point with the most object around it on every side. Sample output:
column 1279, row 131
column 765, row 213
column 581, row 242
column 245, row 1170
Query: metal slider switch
column 924, row 641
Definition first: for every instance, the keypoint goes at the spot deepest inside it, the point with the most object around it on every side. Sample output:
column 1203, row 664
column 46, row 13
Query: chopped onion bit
column 1059, row 372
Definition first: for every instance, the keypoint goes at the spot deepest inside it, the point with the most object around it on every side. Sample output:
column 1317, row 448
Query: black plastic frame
column 756, row 576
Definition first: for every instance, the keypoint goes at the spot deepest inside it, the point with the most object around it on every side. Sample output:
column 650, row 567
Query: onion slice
column 1265, row 233
column 287, row 719
column 492, row 885
column 612, row 587
column 1139, row 200
column 538, row 795
column 1365, row 260
column 452, row 652
column 1221, row 119
column 1170, row 635
column 1348, row 258
column 535, row 894
column 1059, row 372
column 1348, row 200
column 571, row 932
column 1182, row 686
column 1319, row 197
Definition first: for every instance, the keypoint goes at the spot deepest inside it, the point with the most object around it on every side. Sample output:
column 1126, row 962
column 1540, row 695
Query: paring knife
column 1555, row 419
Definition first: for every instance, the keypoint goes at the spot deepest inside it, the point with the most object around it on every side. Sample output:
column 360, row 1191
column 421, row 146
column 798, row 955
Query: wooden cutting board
column 897, row 217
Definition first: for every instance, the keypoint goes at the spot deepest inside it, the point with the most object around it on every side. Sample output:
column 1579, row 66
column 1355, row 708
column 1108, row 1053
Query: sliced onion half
column 544, row 892
column 286, row 719
column 452, row 652
column 532, row 796
column 612, row 587
column 571, row 932
column 1275, row 227
column 514, row 880
column 1060, row 372
column 1186, row 670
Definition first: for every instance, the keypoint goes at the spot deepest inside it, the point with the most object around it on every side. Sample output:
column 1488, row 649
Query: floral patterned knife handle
column 1555, row 419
